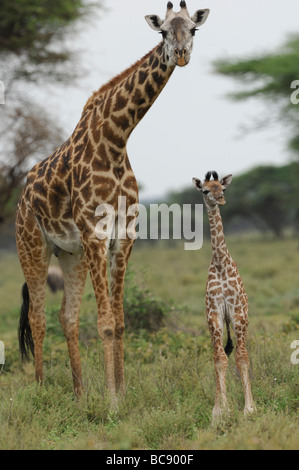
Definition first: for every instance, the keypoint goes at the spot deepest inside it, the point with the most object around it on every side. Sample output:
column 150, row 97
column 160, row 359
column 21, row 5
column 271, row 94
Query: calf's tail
column 26, row 343
column 229, row 345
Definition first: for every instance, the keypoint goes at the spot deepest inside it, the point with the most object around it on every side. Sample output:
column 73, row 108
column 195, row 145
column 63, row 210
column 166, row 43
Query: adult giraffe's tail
column 229, row 345
column 26, row 343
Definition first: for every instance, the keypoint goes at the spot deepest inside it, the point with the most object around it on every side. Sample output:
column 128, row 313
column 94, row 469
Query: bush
column 142, row 310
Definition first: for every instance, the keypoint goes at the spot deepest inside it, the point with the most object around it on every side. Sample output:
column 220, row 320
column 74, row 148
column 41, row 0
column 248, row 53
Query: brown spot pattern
column 56, row 213
column 226, row 303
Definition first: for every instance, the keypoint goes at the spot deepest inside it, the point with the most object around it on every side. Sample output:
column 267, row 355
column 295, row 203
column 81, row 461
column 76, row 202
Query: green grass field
column 169, row 373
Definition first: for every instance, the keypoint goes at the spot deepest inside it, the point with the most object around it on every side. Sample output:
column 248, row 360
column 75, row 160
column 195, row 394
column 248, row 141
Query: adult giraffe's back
column 57, row 210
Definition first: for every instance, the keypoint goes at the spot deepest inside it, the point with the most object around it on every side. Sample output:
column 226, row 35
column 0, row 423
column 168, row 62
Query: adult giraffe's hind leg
column 34, row 255
column 74, row 268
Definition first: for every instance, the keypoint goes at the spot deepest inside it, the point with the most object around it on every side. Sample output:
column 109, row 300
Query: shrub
column 142, row 310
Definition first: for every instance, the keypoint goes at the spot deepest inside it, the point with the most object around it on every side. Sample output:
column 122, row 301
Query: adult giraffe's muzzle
column 182, row 57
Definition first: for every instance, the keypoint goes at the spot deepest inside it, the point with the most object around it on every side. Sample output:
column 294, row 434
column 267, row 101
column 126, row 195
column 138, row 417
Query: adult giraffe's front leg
column 96, row 254
column 119, row 255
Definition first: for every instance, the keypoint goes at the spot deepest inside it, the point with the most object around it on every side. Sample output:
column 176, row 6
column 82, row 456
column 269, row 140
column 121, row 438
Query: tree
column 29, row 136
column 266, row 195
column 32, row 49
column 273, row 78
column 31, row 38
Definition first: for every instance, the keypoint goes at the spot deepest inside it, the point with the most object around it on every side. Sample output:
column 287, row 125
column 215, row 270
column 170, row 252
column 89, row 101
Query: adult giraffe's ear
column 200, row 16
column 197, row 184
column 226, row 181
column 154, row 21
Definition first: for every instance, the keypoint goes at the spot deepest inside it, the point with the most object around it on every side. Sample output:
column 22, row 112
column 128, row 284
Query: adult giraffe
column 57, row 209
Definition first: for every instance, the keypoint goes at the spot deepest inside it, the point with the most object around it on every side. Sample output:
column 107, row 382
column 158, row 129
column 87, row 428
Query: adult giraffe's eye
column 193, row 31
column 164, row 33
column 206, row 191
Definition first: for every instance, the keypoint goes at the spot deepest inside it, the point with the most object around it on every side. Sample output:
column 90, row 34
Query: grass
column 169, row 373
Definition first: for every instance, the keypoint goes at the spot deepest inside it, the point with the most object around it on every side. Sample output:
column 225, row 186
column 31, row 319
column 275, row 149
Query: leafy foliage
column 31, row 31
column 269, row 77
column 142, row 309
column 268, row 196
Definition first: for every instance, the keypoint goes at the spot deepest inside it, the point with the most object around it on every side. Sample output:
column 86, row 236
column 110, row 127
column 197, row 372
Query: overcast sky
column 192, row 127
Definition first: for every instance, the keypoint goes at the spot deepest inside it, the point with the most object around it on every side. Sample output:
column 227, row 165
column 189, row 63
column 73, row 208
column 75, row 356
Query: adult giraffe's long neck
column 119, row 105
column 218, row 243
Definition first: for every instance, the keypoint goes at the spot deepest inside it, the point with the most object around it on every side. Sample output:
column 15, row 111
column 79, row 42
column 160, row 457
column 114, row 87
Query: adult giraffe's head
column 178, row 30
column 213, row 189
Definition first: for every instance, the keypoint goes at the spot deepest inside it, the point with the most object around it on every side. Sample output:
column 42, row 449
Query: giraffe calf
column 226, row 299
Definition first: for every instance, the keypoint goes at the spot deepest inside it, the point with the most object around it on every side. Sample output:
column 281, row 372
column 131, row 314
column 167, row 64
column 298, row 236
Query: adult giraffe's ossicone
column 57, row 211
